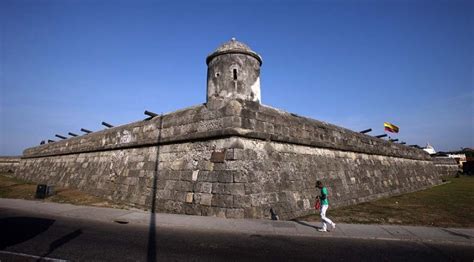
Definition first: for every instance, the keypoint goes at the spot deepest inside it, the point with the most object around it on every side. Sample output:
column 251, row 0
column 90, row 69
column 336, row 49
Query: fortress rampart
column 9, row 164
column 230, row 157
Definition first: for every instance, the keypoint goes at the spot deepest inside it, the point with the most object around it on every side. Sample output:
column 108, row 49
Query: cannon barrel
column 107, row 124
column 403, row 143
column 60, row 136
column 72, row 134
column 380, row 136
column 365, row 131
column 51, row 141
column 151, row 114
column 86, row 131
column 393, row 140
column 42, row 142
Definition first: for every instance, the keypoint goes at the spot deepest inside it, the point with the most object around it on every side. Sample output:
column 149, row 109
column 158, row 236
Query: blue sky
column 67, row 64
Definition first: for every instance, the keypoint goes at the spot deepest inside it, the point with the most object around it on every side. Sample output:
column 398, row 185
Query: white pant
column 326, row 221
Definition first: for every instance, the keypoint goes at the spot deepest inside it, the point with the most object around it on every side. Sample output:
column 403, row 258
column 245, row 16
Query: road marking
column 32, row 256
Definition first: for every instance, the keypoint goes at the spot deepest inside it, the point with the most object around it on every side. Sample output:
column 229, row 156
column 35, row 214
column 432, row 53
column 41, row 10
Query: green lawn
column 15, row 188
column 448, row 205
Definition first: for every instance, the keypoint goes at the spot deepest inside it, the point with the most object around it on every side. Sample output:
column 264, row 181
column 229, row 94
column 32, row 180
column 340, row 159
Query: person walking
column 324, row 207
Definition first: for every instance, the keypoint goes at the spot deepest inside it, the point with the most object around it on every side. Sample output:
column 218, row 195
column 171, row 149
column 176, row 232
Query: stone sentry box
column 230, row 157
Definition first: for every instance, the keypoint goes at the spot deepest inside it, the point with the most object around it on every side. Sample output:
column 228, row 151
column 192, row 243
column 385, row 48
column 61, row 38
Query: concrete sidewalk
column 464, row 236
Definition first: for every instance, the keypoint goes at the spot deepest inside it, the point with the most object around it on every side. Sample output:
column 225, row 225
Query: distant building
column 464, row 158
column 429, row 149
column 460, row 158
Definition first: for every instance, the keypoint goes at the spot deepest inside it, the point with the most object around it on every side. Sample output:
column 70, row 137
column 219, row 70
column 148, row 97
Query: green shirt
column 324, row 192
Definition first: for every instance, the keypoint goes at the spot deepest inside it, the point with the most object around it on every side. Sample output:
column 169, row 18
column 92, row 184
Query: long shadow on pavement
column 305, row 224
column 61, row 241
column 15, row 230
column 151, row 249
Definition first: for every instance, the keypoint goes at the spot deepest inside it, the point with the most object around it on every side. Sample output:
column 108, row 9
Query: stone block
column 186, row 175
column 160, row 184
column 229, row 154
column 195, row 175
column 180, row 196
column 221, row 166
column 249, row 114
column 178, row 165
column 225, row 177
column 203, row 187
column 240, row 177
column 242, row 201
column 249, row 123
column 253, row 188
column 203, row 199
column 205, row 165
column 250, row 155
column 192, row 209
column 207, row 176
column 260, row 126
column 219, row 212
column 257, row 200
column 254, row 212
column 235, row 188
column 232, row 121
column 189, row 197
column 234, row 213
column 134, row 173
column 269, row 128
column 170, row 185
column 219, row 200
column 218, row 188
column 218, row 156
column 271, row 186
column 184, row 186
column 233, row 108
column 173, row 206
column 169, row 174
column 215, row 104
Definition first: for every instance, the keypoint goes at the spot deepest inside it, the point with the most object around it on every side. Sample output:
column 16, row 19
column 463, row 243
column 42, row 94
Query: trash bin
column 43, row 191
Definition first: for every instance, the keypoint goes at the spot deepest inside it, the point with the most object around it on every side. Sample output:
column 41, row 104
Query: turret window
column 235, row 74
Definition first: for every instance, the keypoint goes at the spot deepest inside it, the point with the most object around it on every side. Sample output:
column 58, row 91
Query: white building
column 429, row 149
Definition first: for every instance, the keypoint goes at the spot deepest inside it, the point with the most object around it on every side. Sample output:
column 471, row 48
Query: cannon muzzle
column 151, row 114
column 60, row 136
column 107, row 124
column 86, row 131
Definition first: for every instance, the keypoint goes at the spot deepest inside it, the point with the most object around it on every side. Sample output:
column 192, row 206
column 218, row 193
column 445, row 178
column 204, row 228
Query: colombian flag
column 390, row 127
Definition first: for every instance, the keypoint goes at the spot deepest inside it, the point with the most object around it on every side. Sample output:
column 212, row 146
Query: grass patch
column 448, row 205
column 11, row 187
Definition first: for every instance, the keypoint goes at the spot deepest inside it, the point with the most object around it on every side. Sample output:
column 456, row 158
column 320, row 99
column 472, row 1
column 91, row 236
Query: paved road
column 27, row 235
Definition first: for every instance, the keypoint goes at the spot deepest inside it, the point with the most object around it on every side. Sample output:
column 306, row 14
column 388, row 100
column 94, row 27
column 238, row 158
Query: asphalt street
column 28, row 236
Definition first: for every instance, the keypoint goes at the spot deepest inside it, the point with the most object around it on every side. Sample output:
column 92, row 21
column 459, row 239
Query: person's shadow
column 305, row 224
column 61, row 241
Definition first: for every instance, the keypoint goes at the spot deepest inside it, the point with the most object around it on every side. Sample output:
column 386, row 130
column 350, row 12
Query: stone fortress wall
column 9, row 164
column 446, row 166
column 230, row 157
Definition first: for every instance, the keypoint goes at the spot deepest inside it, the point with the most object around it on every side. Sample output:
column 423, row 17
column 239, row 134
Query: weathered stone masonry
column 9, row 164
column 446, row 166
column 231, row 157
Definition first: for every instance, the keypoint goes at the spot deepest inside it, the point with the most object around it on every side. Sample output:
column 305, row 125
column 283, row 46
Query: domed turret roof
column 234, row 47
